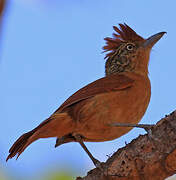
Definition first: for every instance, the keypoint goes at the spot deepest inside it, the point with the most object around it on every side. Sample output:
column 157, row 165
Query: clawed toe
column 148, row 128
column 98, row 164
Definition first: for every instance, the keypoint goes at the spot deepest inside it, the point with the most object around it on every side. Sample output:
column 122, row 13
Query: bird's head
column 128, row 51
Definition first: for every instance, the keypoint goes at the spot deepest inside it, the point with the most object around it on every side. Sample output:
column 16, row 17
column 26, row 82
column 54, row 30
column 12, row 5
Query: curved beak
column 152, row 40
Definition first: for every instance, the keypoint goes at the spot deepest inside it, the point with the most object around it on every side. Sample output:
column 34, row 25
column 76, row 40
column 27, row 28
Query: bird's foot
column 99, row 166
column 97, row 163
column 146, row 127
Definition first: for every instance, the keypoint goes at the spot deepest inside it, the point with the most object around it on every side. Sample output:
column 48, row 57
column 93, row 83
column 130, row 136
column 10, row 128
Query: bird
column 107, row 108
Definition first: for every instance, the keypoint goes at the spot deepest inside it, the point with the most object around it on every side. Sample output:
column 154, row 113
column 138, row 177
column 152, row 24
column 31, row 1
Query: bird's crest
column 122, row 34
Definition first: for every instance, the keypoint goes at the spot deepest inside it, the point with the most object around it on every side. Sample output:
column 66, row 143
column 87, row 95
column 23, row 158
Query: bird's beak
column 152, row 40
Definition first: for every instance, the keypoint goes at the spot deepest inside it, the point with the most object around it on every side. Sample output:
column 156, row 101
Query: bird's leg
column 147, row 127
column 95, row 161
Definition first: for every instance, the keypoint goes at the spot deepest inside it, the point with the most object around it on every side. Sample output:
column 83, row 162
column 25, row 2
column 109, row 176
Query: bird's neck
column 122, row 65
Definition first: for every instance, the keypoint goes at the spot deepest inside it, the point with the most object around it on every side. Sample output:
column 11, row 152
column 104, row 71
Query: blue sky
column 50, row 50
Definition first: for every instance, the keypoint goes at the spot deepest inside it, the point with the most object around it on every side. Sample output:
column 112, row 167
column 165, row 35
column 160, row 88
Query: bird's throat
column 118, row 65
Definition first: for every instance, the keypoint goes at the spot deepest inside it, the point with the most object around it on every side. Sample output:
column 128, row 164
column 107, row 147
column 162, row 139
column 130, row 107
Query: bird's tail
column 19, row 146
column 56, row 126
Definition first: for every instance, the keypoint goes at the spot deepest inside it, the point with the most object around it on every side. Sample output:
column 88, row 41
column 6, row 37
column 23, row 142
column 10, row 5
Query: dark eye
column 129, row 47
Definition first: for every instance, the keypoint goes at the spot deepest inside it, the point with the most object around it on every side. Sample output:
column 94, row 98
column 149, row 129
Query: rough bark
column 149, row 157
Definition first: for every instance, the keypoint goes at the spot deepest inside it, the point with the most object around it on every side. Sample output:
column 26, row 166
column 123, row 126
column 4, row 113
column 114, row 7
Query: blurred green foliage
column 58, row 176
column 52, row 175
column 2, row 177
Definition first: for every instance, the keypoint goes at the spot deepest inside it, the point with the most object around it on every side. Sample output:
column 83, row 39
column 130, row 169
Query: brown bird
column 108, row 107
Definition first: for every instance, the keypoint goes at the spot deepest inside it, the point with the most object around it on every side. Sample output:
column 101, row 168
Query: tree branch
column 148, row 157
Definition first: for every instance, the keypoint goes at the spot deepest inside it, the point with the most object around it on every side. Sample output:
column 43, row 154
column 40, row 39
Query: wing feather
column 113, row 82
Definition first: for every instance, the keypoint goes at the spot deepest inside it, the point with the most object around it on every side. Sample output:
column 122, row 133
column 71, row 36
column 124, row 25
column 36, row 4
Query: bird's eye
column 129, row 47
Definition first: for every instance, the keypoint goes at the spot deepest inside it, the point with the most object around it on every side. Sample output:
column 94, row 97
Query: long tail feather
column 58, row 125
column 18, row 146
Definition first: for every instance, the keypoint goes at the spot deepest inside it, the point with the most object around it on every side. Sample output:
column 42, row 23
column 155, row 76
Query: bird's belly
column 101, row 111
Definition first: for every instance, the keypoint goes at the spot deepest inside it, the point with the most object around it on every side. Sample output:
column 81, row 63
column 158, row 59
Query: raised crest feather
column 122, row 34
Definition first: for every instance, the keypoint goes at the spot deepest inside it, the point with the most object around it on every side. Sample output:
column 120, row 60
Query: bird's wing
column 106, row 84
